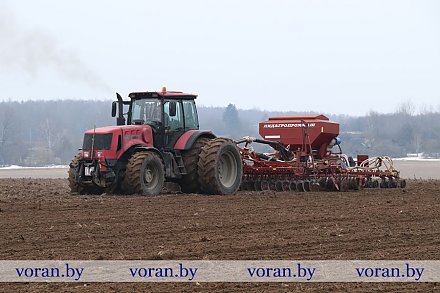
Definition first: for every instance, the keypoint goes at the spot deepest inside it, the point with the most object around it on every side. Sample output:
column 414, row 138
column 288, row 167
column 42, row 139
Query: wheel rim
column 150, row 177
column 227, row 169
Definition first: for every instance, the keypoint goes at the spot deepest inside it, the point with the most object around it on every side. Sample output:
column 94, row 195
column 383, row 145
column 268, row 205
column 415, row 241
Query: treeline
column 37, row 133
column 50, row 132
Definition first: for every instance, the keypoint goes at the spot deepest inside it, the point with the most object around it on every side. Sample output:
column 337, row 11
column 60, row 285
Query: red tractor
column 159, row 141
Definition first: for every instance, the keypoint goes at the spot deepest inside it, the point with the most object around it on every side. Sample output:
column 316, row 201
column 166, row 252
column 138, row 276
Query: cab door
column 173, row 122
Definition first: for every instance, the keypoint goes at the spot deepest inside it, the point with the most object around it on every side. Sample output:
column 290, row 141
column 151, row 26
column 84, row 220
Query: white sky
column 344, row 57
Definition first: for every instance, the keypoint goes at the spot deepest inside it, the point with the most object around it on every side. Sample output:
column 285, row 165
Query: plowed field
column 41, row 220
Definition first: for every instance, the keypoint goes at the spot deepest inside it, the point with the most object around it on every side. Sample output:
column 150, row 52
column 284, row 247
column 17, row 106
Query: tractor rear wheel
column 75, row 187
column 220, row 167
column 190, row 182
column 144, row 174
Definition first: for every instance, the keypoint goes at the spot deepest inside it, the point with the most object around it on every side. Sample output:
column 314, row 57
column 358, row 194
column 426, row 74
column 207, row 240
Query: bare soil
column 41, row 220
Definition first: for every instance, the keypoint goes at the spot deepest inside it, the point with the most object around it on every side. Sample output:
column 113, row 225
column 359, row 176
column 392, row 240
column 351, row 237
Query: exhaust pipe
column 120, row 120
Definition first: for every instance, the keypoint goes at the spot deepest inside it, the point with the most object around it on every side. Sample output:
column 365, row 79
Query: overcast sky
column 343, row 57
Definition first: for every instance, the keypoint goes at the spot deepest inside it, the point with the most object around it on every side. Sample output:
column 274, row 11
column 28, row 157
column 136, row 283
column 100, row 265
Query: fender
column 140, row 148
column 186, row 141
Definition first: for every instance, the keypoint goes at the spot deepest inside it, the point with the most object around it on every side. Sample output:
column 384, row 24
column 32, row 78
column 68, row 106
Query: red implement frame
column 308, row 163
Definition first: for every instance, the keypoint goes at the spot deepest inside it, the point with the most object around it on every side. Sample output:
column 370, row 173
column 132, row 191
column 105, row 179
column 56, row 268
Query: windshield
column 145, row 110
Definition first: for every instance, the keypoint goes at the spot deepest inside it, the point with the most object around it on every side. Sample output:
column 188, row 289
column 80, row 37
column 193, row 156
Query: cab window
column 145, row 111
column 191, row 121
column 173, row 122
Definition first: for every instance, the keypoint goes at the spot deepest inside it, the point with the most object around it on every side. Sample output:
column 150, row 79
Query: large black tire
column 220, row 167
column 144, row 174
column 76, row 188
column 190, row 182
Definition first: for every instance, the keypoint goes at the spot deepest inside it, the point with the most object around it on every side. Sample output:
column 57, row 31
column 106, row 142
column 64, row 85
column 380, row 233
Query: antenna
column 93, row 141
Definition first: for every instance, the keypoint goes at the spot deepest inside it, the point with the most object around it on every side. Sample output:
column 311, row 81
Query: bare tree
column 46, row 127
column 6, row 114
column 406, row 108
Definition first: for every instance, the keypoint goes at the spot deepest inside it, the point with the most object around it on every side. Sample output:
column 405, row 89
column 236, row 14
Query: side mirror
column 114, row 104
column 173, row 110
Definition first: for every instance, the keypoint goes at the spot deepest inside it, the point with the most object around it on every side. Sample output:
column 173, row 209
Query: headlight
column 99, row 154
column 86, row 154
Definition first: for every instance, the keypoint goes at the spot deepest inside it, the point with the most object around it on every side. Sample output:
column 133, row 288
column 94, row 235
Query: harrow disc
column 286, row 185
column 272, row 185
column 330, row 184
column 402, row 183
column 306, row 185
column 343, row 185
column 244, row 185
column 292, row 185
column 375, row 184
column 353, row 183
column 300, row 186
column 257, row 186
column 369, row 184
column 393, row 183
column 265, row 185
column 279, row 185
column 384, row 183
column 314, row 186
column 251, row 185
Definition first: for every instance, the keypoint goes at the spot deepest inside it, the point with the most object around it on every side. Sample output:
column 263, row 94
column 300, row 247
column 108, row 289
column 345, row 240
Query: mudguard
column 186, row 141
column 146, row 148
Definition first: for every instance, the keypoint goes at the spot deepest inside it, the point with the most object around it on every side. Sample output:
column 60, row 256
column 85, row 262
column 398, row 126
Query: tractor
column 156, row 140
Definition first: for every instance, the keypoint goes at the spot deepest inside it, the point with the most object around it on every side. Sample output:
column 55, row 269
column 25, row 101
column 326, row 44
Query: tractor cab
column 170, row 114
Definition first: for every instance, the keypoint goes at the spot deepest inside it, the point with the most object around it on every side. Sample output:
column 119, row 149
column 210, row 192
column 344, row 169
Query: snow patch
column 16, row 167
column 418, row 159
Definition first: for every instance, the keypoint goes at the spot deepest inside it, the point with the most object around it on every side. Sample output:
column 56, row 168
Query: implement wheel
column 220, row 167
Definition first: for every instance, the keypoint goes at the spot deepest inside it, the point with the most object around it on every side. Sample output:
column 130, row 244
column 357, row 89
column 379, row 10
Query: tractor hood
column 119, row 129
column 118, row 139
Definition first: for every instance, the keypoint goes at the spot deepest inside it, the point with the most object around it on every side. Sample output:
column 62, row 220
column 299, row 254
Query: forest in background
column 40, row 133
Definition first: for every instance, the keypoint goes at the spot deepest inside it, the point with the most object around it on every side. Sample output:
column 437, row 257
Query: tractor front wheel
column 144, row 174
column 75, row 187
column 73, row 174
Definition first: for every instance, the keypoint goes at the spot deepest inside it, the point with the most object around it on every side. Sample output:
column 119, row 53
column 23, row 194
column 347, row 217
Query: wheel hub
column 148, row 176
column 227, row 169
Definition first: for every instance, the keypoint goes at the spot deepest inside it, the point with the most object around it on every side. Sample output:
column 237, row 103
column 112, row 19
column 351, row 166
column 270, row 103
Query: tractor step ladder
column 180, row 164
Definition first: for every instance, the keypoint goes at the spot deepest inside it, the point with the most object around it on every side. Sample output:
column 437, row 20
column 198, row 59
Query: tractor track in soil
column 41, row 220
